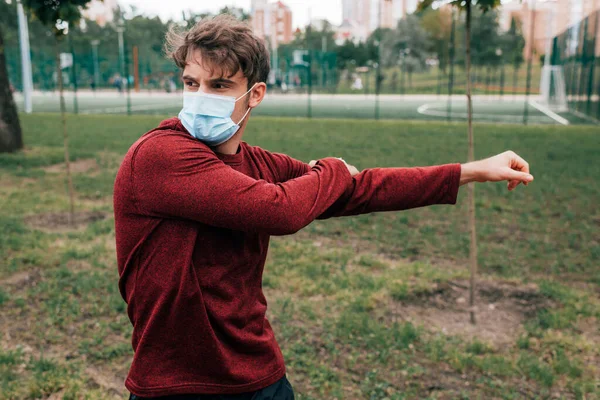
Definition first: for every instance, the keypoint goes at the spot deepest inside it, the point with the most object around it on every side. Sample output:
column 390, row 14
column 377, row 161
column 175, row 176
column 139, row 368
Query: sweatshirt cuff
column 452, row 184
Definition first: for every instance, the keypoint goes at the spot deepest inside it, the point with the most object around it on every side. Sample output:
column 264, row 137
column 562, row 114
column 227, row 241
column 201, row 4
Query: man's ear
column 257, row 94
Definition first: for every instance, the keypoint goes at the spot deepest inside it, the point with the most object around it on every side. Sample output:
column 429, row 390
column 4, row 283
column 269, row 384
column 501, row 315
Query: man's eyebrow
column 222, row 80
column 188, row 77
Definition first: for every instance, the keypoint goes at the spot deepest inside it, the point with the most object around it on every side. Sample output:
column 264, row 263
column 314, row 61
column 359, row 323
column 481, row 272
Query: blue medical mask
column 207, row 117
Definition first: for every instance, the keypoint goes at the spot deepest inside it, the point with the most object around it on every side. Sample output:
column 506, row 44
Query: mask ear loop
column 244, row 116
column 249, row 90
column 249, row 108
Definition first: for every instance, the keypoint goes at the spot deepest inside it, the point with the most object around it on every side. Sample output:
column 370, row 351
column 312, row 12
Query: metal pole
column 275, row 58
column 126, row 59
column 73, row 77
column 402, row 87
column 439, row 80
column 136, row 69
column 309, row 77
column 96, row 69
column 451, row 77
column 502, row 80
column 584, row 57
column 592, row 67
column 581, row 72
column 25, row 59
column 121, row 50
column 531, row 44
column 378, row 69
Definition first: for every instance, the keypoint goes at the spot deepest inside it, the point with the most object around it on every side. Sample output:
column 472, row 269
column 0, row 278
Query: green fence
column 577, row 50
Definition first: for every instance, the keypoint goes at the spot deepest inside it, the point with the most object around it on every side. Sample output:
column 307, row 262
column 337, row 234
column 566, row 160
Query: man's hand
column 505, row 166
column 353, row 171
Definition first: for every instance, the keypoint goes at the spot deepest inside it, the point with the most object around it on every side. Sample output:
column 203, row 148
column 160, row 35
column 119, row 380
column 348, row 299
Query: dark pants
column 280, row 390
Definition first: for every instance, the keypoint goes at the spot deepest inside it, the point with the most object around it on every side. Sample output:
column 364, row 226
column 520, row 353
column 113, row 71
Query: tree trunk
column 10, row 128
column 65, row 136
column 471, row 186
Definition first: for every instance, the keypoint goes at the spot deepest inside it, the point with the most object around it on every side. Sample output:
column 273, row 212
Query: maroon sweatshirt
column 192, row 232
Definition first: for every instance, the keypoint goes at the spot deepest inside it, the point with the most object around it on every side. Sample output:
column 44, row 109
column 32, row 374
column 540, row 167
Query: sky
column 301, row 9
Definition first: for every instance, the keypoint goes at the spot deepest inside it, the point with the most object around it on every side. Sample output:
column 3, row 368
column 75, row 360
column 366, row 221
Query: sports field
column 368, row 307
column 487, row 108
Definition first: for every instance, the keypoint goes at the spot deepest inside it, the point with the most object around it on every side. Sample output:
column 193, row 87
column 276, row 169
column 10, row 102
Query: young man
column 195, row 207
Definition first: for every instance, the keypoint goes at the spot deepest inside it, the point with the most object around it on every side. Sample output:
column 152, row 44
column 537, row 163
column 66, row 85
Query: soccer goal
column 553, row 89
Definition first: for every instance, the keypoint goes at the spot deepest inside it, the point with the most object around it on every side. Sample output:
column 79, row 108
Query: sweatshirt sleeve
column 387, row 189
column 173, row 177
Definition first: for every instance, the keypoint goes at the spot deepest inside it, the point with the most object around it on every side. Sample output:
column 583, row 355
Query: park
column 375, row 306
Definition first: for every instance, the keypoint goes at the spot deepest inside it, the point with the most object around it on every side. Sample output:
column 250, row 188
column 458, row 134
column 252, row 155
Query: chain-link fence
column 404, row 73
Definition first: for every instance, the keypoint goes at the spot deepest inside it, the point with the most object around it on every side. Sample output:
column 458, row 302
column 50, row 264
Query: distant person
column 394, row 82
column 357, row 85
column 195, row 206
column 118, row 82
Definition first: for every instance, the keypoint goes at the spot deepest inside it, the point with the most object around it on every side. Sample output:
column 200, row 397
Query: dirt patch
column 79, row 166
column 21, row 279
column 106, row 380
column 78, row 265
column 59, row 222
column 501, row 308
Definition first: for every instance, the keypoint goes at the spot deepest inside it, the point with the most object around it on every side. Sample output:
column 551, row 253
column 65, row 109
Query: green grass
column 338, row 291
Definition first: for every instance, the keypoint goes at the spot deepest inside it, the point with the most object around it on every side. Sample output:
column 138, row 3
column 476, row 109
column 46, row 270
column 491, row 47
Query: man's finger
column 519, row 164
column 519, row 176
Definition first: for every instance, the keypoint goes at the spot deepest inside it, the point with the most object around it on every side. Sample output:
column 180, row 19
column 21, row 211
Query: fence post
column 592, row 64
column 309, row 111
column 451, row 77
column 126, row 56
column 502, row 80
column 73, row 76
column 529, row 62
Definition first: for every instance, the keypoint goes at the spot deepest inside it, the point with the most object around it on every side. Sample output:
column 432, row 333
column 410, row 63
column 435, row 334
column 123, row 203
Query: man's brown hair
column 224, row 42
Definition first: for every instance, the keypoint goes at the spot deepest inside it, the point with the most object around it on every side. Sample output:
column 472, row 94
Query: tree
column 438, row 25
column 484, row 6
column 58, row 15
column 193, row 17
column 514, row 43
column 10, row 128
column 407, row 46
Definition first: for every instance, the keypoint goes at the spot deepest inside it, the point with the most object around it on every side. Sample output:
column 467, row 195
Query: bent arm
column 179, row 178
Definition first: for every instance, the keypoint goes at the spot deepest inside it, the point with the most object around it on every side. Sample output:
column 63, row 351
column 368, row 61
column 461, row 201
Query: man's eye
column 190, row 83
column 219, row 86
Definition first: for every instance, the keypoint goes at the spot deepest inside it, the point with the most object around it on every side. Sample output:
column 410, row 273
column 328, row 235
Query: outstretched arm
column 394, row 189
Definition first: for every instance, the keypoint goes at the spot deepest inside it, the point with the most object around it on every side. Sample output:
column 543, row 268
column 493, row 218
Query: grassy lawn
column 368, row 307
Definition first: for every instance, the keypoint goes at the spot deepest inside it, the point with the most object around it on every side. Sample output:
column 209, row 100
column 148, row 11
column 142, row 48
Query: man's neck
column 231, row 146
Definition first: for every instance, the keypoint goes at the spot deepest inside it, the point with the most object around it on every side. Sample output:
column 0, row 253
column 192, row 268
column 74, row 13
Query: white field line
column 424, row 110
column 584, row 116
column 111, row 110
column 549, row 113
